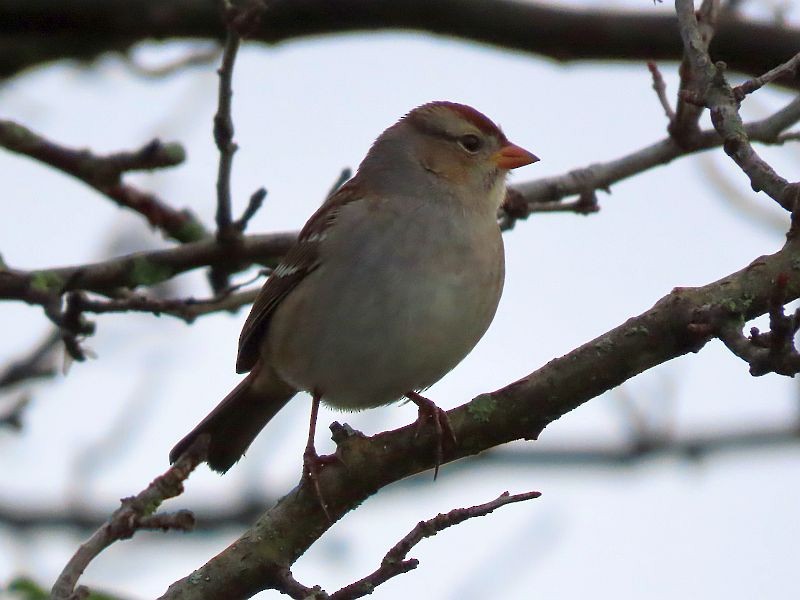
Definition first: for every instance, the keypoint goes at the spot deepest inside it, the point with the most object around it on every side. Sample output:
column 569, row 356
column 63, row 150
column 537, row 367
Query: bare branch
column 12, row 418
column 520, row 410
column 256, row 200
column 656, row 445
column 140, row 269
column 395, row 562
column 37, row 364
column 790, row 67
column 193, row 58
column 685, row 125
column 600, row 176
column 770, row 352
column 661, row 90
column 44, row 287
column 134, row 514
column 240, row 18
column 70, row 32
column 104, row 173
column 715, row 92
column 186, row 309
column 223, row 136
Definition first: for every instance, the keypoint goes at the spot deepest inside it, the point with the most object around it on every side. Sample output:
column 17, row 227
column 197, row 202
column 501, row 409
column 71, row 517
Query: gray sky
column 724, row 528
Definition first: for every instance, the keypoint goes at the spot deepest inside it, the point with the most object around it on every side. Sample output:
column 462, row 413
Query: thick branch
column 38, row 31
column 520, row 410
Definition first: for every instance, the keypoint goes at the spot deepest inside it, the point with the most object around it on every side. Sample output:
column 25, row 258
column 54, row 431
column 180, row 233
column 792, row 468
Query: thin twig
column 12, row 418
column 240, row 19
column 685, row 126
column 661, row 90
column 223, row 136
column 194, row 58
column 186, row 309
column 395, row 562
column 104, row 173
column 600, row 176
column 37, row 364
column 789, row 136
column 256, row 200
column 790, row 67
column 134, row 514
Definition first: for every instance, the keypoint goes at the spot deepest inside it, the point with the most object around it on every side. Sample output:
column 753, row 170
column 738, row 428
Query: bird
column 390, row 284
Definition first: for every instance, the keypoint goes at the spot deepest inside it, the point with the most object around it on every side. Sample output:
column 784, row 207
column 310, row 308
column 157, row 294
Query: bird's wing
column 300, row 260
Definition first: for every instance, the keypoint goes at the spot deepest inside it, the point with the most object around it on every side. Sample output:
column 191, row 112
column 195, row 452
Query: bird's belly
column 411, row 324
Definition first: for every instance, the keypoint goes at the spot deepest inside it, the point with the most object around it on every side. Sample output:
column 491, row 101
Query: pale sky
column 724, row 528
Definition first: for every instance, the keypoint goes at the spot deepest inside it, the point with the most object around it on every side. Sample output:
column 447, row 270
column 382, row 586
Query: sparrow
column 391, row 283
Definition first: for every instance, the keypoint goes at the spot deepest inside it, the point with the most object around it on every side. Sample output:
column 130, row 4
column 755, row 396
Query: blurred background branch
column 36, row 32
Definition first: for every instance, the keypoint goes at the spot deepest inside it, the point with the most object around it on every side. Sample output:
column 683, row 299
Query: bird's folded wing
column 300, row 260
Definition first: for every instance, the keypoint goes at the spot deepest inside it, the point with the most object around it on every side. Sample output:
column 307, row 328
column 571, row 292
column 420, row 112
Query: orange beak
column 512, row 156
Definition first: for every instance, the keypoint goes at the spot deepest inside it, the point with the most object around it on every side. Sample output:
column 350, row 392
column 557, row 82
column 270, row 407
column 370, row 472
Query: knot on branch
column 773, row 351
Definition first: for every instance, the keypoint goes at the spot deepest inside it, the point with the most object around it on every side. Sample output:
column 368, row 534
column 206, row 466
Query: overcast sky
column 726, row 527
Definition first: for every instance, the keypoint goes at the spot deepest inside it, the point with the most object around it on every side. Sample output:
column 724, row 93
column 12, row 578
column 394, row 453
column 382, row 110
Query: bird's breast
column 398, row 301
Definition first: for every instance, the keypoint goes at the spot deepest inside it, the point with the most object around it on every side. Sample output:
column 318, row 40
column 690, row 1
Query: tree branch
column 527, row 198
column 140, row 269
column 38, row 32
column 104, row 173
column 790, row 67
column 44, row 287
column 520, row 410
column 135, row 513
column 395, row 562
column 83, row 518
column 223, row 136
column 186, row 309
column 37, row 364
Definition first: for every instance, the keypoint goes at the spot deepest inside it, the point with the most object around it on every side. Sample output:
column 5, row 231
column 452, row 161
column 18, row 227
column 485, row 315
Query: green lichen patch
column 147, row 272
column 638, row 330
column 482, row 407
column 190, row 231
column 46, row 281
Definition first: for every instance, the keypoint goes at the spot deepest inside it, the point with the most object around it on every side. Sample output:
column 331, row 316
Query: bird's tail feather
column 237, row 420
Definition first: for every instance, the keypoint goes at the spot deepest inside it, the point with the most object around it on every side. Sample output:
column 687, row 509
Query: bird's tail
column 238, row 419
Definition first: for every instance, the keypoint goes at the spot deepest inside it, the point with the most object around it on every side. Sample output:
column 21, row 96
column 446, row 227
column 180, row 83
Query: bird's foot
column 428, row 411
column 312, row 465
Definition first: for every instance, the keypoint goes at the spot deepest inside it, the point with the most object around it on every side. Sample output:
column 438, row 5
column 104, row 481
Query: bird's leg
column 312, row 462
column 428, row 410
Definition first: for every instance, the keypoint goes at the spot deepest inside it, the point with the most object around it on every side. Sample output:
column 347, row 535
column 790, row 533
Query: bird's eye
column 470, row 142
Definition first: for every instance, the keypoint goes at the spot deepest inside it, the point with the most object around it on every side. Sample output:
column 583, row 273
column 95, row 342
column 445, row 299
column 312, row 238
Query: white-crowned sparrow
column 390, row 285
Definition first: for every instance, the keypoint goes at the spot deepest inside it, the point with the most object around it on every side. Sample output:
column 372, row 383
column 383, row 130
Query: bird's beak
column 512, row 156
